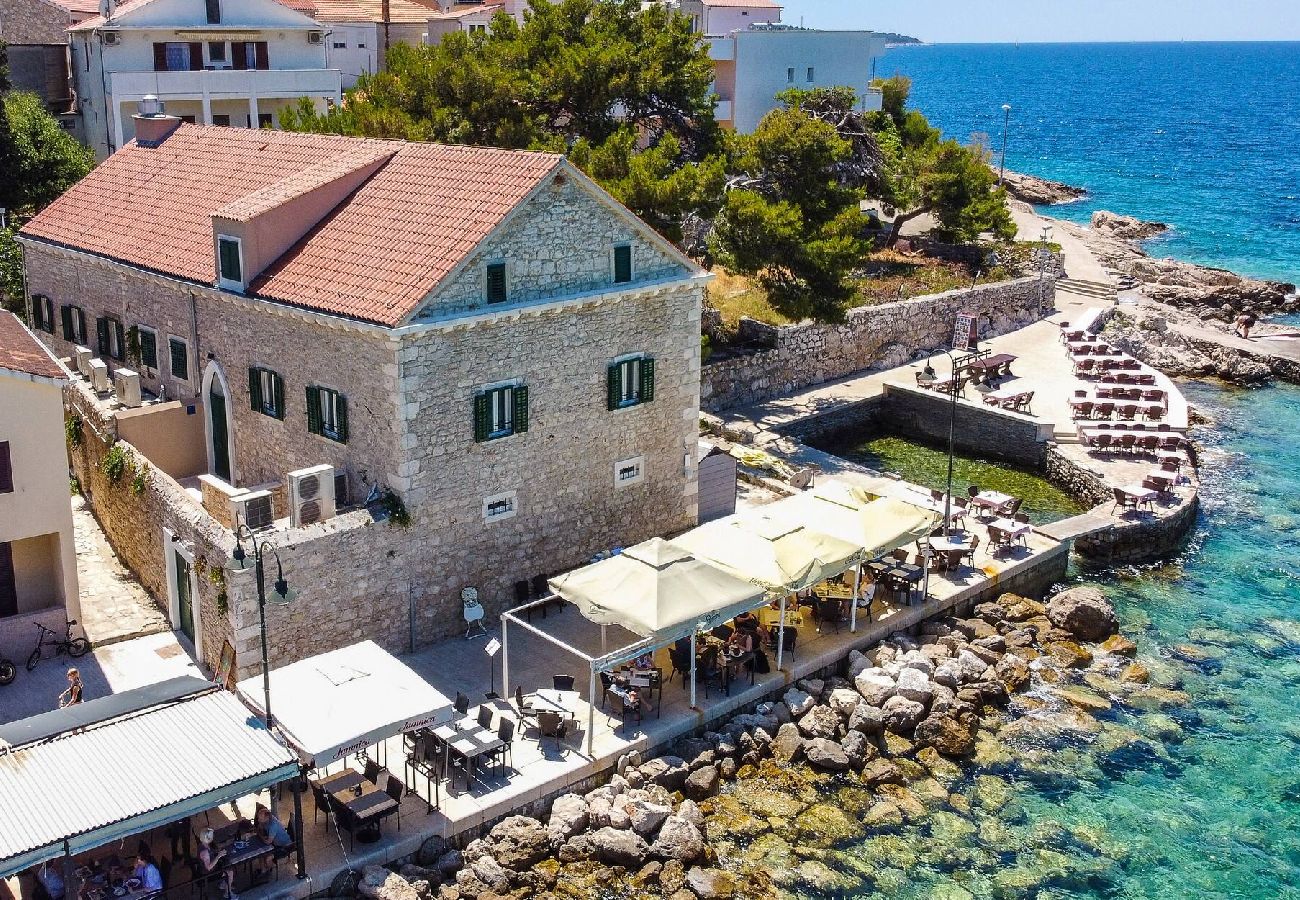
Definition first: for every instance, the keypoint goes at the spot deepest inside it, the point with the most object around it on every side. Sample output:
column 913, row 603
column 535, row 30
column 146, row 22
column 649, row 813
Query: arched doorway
column 221, row 433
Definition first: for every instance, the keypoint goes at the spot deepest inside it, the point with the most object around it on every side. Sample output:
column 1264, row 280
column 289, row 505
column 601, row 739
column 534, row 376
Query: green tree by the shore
column 38, row 162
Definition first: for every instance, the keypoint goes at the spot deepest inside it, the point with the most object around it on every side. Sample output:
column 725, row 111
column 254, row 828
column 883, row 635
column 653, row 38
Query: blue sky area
column 1006, row 21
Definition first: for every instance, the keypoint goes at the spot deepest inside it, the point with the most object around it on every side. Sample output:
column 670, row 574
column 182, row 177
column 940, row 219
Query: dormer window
column 230, row 262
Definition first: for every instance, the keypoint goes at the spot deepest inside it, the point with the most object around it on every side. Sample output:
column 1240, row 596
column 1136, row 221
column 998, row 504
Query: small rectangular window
column 231, row 263
column 221, row 119
column 500, row 506
column 361, row 46
column 43, row 313
column 496, row 282
column 74, row 324
column 622, row 264
column 266, row 392
column 6, row 469
column 180, row 359
column 147, row 338
column 110, row 338
column 264, row 120
column 214, row 12
column 789, row 75
column 500, row 412
column 340, row 45
column 630, row 381
column 811, row 73
column 216, row 51
column 327, row 413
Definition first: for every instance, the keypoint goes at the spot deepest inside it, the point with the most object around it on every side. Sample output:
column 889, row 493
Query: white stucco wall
column 726, row 19
column 359, row 53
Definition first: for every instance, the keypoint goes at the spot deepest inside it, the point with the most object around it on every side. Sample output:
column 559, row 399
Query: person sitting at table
column 644, row 661
column 146, row 870
column 212, row 863
column 740, row 642
column 49, row 883
column 272, row 834
column 866, row 592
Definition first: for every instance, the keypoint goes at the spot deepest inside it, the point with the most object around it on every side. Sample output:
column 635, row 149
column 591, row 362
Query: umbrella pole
column 780, row 635
column 591, row 710
column 692, row 669
column 853, row 611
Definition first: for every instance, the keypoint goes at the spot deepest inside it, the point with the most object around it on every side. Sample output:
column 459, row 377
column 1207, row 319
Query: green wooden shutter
column 149, row 349
column 341, row 417
column 614, row 385
column 80, row 319
column 647, row 380
column 482, row 416
column 520, row 396
column 69, row 333
column 313, row 410
column 180, row 359
column 496, row 283
column 121, row 341
column 101, row 336
column 622, row 264
column 277, row 386
column 255, row 388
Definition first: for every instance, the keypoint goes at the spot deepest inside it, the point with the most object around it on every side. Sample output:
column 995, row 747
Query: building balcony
column 232, row 83
column 721, row 49
column 722, row 111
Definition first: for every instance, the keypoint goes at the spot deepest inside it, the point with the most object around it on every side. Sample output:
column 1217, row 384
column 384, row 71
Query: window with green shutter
column 110, row 338
column 68, row 333
column 180, row 358
column 500, row 412
column 266, row 393
column 228, row 258
column 43, row 313
column 327, row 413
column 101, row 336
column 496, row 282
column 622, row 263
column 148, row 347
column 629, row 382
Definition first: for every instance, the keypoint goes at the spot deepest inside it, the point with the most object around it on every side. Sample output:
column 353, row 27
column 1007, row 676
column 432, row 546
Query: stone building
column 481, row 337
column 34, row 31
column 38, row 558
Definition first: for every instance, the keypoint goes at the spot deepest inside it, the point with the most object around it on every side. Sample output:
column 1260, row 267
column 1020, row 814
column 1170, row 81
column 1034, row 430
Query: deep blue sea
column 1202, row 136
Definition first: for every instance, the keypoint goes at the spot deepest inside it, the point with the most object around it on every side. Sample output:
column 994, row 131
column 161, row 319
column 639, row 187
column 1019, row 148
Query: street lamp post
column 1006, row 122
column 280, row 596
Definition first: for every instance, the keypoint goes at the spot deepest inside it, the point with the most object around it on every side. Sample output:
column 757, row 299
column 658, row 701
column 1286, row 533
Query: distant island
column 893, row 40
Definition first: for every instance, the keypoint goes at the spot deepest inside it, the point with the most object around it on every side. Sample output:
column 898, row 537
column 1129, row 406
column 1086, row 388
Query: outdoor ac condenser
column 99, row 381
column 126, row 384
column 84, row 355
column 311, row 495
column 252, row 509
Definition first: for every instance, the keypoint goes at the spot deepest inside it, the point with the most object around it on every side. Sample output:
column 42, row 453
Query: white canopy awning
column 143, row 765
column 338, row 703
column 657, row 590
column 877, row 526
column 779, row 555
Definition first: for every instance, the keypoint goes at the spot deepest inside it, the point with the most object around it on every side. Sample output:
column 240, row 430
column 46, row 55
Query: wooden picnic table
column 994, row 363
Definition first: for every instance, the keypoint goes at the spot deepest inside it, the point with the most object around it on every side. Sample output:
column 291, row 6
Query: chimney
column 152, row 124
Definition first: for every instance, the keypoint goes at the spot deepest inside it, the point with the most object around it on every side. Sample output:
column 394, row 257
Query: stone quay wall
column 871, row 337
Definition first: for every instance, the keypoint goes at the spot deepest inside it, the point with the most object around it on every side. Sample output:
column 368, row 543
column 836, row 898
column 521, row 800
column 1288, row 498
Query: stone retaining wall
column 871, row 337
column 1138, row 540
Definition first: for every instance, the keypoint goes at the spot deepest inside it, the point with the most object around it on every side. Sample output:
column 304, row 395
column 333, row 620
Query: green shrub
column 393, row 505
column 115, row 463
column 72, row 430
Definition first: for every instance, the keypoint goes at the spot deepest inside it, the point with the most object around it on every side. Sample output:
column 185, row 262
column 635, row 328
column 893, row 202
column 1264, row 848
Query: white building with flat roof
column 213, row 62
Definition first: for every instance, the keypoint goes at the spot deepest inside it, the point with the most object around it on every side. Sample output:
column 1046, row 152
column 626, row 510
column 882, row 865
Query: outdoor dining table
column 1011, row 527
column 468, row 740
column 1142, row 495
column 994, row 500
column 555, row 700
column 998, row 363
column 958, row 540
column 904, row 574
column 771, row 618
column 364, row 802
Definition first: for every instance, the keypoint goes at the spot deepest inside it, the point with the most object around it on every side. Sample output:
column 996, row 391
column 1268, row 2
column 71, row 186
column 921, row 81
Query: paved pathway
column 114, row 605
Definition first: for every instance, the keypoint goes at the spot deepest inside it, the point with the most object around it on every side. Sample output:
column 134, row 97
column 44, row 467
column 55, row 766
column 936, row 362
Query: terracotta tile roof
column 745, row 4
column 400, row 12
column 303, row 6
column 463, row 11
column 20, row 351
column 80, row 7
column 252, row 205
column 373, row 258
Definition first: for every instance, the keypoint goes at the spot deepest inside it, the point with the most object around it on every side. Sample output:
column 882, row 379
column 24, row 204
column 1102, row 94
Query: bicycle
column 48, row 637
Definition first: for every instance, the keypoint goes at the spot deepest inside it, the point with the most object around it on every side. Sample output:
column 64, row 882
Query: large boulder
column 646, row 816
column 569, row 816
column 678, row 839
column 881, row 771
column 711, row 884
column 799, row 702
column 875, row 686
column 820, row 722
column 1084, row 612
column 378, row 883
column 971, row 666
column 945, row 734
column 844, row 701
column 615, row 847
column 667, row 771
column 433, row 847
column 857, row 748
column 867, row 719
column 902, row 715
column 788, row 746
column 914, row 685
column 519, row 842
column 1013, row 671
column 702, row 783
column 825, row 754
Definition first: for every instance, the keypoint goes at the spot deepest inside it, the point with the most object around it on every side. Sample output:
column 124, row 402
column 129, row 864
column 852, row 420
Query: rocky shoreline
column 920, row 729
column 1040, row 191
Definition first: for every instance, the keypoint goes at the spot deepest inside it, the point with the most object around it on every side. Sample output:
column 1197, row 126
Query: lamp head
column 281, row 595
column 241, row 559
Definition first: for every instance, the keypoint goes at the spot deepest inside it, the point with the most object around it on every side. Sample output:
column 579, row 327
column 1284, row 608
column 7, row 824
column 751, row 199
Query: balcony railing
column 227, row 83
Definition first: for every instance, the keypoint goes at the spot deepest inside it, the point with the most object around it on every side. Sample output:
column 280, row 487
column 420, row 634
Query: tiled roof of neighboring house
column 303, row 6
column 747, row 4
column 21, row 352
column 400, row 12
column 462, row 11
column 374, row 257
column 80, row 7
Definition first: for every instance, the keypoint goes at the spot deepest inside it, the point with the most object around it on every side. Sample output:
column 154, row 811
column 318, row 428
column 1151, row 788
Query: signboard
column 225, row 675
column 217, row 34
column 492, row 647
column 964, row 334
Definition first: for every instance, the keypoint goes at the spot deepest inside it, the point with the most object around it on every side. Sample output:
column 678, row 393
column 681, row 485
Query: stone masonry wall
column 559, row 244
column 872, row 337
column 980, row 429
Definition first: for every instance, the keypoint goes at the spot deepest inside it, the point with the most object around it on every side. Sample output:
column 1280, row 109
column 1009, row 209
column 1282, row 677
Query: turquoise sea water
column 1200, row 135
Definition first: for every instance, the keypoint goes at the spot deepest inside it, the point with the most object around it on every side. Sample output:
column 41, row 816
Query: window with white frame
column 500, row 506
column 230, row 262
column 630, row 381
column 628, row 472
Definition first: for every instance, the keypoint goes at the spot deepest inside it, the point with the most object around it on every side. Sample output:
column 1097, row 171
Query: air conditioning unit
column 311, row 495
column 253, row 509
column 83, row 356
column 126, row 384
column 111, row 38
column 315, row 37
column 99, row 382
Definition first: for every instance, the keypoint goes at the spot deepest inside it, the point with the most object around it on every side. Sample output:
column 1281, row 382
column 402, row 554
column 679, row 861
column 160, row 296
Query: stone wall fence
column 870, row 338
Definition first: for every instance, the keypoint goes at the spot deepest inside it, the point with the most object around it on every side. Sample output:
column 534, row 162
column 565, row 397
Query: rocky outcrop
column 1040, row 191
column 1125, row 227
column 1084, row 612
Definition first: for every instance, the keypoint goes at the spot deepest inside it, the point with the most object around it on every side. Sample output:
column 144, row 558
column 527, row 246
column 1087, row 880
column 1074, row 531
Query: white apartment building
column 358, row 33
column 214, row 62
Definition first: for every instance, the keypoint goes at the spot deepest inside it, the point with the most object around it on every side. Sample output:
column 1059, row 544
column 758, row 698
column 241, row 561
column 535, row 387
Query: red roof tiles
column 374, row 257
column 20, row 351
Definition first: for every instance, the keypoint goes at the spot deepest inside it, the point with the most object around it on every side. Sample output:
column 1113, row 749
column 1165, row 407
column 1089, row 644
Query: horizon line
column 1001, row 43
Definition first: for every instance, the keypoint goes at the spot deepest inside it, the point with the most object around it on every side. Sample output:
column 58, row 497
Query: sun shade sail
column 333, row 705
column 656, row 590
column 779, row 555
column 140, row 769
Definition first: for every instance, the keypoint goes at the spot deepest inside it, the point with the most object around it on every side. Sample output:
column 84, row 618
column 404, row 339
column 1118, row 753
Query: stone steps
column 1098, row 289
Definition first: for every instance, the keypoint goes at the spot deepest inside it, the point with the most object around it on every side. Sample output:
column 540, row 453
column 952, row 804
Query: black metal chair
column 562, row 682
column 789, row 638
column 680, row 657
column 623, row 708
column 552, row 725
column 485, row 717
column 505, row 734
column 395, row 789
column 462, row 704
column 321, row 802
column 829, row 613
column 372, row 771
column 525, row 711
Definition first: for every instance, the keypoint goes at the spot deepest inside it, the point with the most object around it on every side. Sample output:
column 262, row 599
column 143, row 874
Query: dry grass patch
column 736, row 295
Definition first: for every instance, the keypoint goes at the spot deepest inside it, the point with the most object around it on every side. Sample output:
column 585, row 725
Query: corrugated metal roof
column 120, row 777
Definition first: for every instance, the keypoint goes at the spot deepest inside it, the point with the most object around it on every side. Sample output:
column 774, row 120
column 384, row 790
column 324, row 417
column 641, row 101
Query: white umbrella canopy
column 656, row 589
column 780, row 555
column 876, row 526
